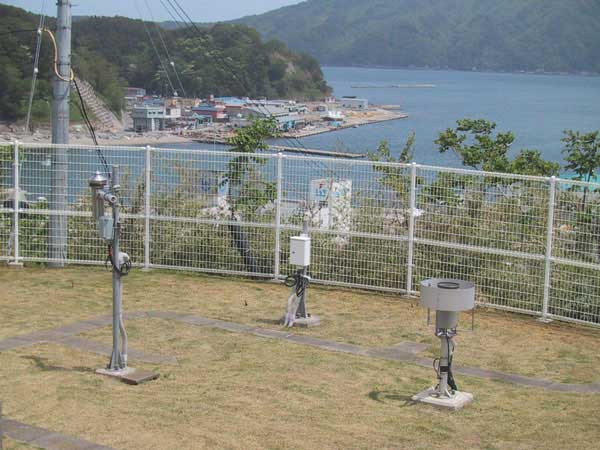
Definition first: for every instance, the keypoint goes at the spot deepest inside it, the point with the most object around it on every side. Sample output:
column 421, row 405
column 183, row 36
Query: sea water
column 537, row 108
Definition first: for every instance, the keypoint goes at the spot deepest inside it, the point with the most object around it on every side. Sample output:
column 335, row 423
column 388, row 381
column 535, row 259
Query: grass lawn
column 233, row 391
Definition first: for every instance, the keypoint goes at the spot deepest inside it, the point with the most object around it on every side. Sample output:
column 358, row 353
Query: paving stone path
column 405, row 352
column 42, row 438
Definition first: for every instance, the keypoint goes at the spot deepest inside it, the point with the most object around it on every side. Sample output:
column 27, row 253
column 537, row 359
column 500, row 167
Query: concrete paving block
column 14, row 344
column 21, row 432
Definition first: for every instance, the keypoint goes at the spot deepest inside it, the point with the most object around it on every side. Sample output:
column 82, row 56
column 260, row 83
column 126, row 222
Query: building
column 134, row 96
column 233, row 105
column 154, row 116
column 172, row 110
column 334, row 118
column 195, row 121
column 216, row 111
column 147, row 118
column 286, row 120
column 239, row 121
column 355, row 103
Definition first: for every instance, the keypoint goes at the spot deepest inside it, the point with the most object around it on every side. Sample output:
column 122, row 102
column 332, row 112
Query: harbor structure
column 361, row 104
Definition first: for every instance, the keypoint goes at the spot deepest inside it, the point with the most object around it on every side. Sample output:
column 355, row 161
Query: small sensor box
column 300, row 251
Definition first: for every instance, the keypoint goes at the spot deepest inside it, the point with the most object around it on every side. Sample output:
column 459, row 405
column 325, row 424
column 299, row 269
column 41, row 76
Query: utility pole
column 57, row 235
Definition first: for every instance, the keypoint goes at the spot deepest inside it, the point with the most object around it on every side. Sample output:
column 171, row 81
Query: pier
column 298, row 149
column 393, row 86
column 319, row 152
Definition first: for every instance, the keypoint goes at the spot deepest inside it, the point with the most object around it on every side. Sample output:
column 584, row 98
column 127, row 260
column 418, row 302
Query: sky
column 199, row 10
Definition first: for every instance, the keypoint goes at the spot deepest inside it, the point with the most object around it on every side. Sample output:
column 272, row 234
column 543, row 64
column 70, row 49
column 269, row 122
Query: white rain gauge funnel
column 447, row 298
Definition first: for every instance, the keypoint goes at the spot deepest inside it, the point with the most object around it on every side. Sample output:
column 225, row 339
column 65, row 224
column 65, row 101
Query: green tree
column 252, row 139
column 394, row 178
column 582, row 156
column 111, row 52
column 247, row 191
column 530, row 162
column 474, row 142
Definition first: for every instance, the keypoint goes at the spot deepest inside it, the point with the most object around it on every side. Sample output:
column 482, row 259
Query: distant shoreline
column 438, row 69
column 122, row 140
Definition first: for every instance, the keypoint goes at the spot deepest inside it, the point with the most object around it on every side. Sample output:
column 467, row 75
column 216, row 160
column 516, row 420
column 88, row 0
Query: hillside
column 511, row 35
column 111, row 53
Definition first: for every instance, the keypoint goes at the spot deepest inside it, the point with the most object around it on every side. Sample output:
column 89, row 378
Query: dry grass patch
column 234, row 391
column 502, row 341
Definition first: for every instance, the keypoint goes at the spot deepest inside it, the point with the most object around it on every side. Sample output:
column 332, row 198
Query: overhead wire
column 219, row 60
column 318, row 166
column 90, row 127
column 224, row 65
column 36, row 62
column 84, row 114
column 81, row 104
column 175, row 21
column 160, row 60
column 164, row 44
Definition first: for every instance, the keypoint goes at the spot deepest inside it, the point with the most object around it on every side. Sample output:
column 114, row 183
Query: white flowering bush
column 221, row 211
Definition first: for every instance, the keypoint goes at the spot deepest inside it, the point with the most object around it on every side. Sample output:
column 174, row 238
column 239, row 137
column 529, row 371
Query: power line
column 170, row 60
column 81, row 104
column 36, row 63
column 90, row 127
column 217, row 59
column 177, row 22
column 160, row 60
column 185, row 18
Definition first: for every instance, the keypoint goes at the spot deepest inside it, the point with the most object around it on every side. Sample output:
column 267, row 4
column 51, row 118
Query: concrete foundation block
column 130, row 375
column 458, row 401
column 307, row 322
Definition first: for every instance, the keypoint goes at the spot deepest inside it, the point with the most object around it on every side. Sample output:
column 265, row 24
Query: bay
column 537, row 108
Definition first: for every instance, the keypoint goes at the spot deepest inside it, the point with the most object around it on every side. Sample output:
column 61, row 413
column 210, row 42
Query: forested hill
column 114, row 52
column 511, row 35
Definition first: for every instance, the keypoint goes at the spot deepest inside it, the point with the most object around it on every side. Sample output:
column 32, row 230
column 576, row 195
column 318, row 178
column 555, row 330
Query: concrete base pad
column 308, row 322
column 458, row 401
column 544, row 320
column 130, row 375
column 15, row 265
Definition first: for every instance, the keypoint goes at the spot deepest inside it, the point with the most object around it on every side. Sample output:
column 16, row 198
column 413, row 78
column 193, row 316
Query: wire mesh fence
column 7, row 200
column 530, row 244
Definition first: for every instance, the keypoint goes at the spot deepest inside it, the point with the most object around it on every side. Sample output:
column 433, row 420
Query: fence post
column 147, row 190
column 277, row 264
column 548, row 259
column 411, row 228
column 16, row 201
